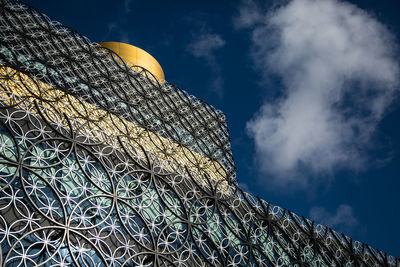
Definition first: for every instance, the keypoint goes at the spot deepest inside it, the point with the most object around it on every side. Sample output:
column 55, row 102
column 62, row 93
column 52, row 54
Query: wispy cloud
column 245, row 187
column 204, row 46
column 127, row 6
column 249, row 15
column 339, row 73
column 343, row 220
column 114, row 27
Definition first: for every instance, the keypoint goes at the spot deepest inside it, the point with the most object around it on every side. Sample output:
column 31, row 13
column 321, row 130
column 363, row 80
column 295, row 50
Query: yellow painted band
column 98, row 123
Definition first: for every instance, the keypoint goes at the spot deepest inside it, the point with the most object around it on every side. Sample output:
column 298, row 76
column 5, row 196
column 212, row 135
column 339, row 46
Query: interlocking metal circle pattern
column 81, row 186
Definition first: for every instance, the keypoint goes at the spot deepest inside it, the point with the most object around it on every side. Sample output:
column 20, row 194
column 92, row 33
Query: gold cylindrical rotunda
column 136, row 56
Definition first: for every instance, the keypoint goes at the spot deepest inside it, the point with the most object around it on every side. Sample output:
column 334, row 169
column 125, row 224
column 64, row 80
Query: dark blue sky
column 215, row 50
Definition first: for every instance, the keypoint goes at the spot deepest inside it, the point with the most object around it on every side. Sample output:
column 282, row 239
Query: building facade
column 104, row 164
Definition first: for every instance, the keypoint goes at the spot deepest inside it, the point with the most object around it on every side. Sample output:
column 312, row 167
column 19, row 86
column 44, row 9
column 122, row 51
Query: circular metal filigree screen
column 97, row 168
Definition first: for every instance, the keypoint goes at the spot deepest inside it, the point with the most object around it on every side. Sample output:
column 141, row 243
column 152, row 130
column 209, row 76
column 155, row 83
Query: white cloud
column 343, row 219
column 204, row 45
column 337, row 64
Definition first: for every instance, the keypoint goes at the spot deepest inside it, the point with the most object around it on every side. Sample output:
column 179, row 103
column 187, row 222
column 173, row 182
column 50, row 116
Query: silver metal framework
column 101, row 165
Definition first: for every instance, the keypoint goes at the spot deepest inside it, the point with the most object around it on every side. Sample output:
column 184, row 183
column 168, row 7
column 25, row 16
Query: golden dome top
column 136, row 56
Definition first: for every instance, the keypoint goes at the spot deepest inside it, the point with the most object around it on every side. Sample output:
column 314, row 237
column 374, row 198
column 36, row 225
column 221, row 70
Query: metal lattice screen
column 98, row 168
